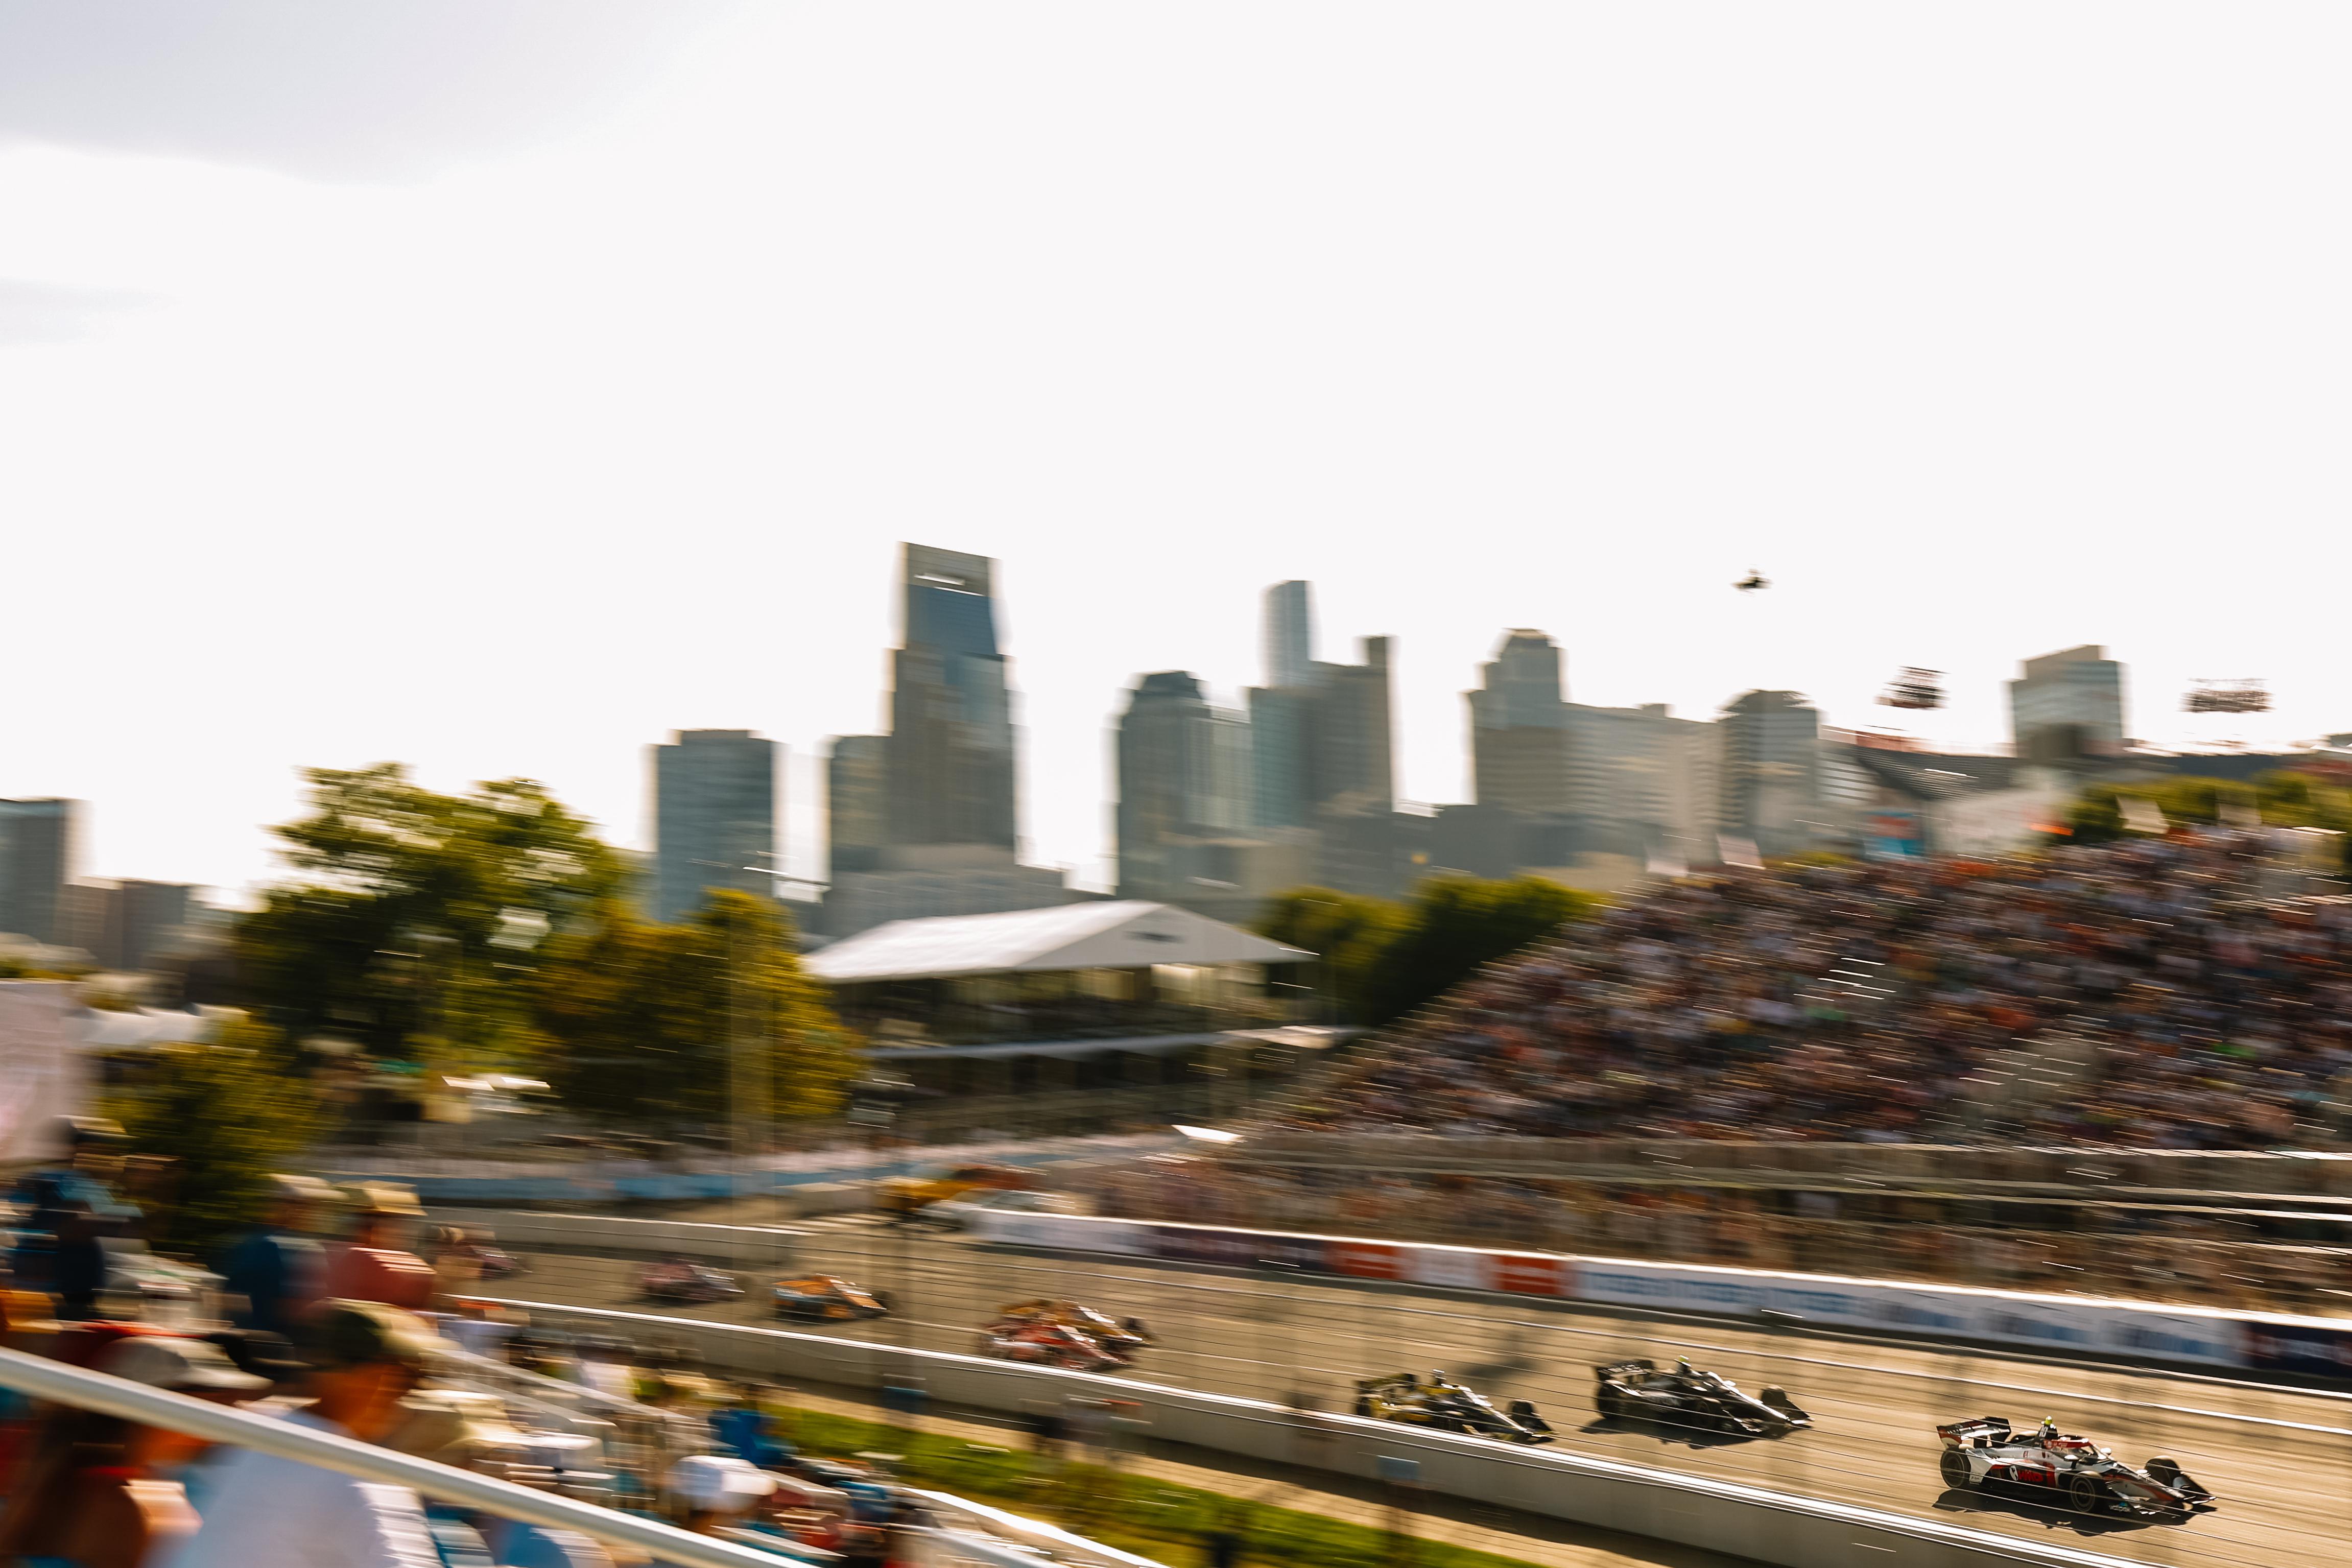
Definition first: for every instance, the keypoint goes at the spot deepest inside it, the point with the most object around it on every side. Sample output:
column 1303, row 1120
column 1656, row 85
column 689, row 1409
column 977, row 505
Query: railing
column 221, row 1423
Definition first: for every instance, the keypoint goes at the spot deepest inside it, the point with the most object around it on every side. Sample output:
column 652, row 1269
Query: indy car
column 2051, row 1465
column 1442, row 1404
column 683, row 1280
column 1123, row 1336
column 1687, row 1397
column 824, row 1297
column 1051, row 1344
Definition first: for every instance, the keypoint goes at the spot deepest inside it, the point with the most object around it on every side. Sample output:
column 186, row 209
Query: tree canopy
column 644, row 1022
column 2285, row 798
column 226, row 1116
column 1383, row 958
column 413, row 912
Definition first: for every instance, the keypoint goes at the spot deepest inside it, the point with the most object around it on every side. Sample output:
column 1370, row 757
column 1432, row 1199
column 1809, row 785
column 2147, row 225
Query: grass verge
column 1135, row 1513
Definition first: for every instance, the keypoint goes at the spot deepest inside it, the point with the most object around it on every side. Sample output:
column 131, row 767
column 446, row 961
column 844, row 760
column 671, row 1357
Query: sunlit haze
column 507, row 444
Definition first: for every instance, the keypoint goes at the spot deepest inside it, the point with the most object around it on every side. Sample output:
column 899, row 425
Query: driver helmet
column 1683, row 1365
column 2049, row 1429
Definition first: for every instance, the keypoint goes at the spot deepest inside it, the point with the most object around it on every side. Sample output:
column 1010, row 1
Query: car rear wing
column 1622, row 1369
column 1960, row 1433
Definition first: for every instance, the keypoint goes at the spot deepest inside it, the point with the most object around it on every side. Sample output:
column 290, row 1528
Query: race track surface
column 2280, row 1460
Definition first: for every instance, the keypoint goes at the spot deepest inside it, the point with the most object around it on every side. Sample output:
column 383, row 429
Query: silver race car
column 2054, row 1467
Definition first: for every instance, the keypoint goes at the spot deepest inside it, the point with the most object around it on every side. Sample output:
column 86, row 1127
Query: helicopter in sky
column 1753, row 580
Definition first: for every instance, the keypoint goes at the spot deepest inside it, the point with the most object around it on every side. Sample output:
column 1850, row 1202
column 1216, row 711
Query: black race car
column 1693, row 1401
column 1442, row 1404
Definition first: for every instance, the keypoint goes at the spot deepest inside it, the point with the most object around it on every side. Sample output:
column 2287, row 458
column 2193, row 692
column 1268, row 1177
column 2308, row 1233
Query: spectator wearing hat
column 70, row 1210
column 373, row 1266
column 278, row 1268
column 103, row 1493
column 272, row 1513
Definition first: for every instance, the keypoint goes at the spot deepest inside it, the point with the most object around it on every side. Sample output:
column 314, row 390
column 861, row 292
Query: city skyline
column 511, row 448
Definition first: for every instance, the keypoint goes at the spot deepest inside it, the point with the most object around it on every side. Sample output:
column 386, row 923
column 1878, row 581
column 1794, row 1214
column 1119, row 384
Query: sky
column 498, row 385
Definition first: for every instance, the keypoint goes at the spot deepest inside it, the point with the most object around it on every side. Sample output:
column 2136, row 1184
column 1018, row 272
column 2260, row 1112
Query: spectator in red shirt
column 372, row 1265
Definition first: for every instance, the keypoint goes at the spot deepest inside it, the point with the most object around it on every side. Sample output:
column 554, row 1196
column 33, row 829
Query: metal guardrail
column 222, row 1424
column 1699, row 1511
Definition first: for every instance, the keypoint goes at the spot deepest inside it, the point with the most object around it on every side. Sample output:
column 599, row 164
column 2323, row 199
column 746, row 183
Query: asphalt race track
column 2279, row 1461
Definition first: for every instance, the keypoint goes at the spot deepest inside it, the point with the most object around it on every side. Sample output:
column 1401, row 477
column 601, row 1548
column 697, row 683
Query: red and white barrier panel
column 2088, row 1326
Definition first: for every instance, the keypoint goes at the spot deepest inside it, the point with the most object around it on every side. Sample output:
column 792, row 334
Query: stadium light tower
column 1914, row 688
column 2237, row 694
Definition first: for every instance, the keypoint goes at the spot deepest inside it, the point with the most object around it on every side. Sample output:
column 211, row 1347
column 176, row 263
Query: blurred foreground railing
column 177, row 1413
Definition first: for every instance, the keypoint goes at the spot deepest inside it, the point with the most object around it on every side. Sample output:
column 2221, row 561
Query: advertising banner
column 2312, row 1347
column 1461, row 1267
column 1535, row 1274
column 1993, row 1317
column 1368, row 1260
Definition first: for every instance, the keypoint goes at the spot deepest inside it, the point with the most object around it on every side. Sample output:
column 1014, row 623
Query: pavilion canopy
column 1123, row 934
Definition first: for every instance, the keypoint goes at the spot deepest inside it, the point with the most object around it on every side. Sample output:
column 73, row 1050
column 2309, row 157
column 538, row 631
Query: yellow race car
column 904, row 1196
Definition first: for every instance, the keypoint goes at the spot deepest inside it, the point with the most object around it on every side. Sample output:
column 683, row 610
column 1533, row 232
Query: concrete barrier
column 759, row 1247
column 1691, row 1510
column 2201, row 1337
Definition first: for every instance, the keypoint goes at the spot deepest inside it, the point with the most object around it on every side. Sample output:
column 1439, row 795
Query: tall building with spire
column 925, row 820
column 951, row 747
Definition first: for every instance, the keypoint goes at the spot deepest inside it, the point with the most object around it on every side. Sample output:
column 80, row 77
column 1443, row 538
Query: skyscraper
column 1518, row 728
column 951, row 747
column 714, row 818
column 1771, row 771
column 2068, row 704
column 38, row 842
column 1289, row 634
column 857, row 802
column 923, row 821
column 1184, row 778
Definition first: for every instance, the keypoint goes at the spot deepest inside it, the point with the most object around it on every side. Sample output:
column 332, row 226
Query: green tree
column 642, row 1021
column 1347, row 932
column 1381, row 960
column 412, row 914
column 225, row 1115
column 2283, row 798
column 1456, row 924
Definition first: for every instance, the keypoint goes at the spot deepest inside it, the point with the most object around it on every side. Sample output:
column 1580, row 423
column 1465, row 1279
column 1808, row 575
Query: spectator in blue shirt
column 280, row 1268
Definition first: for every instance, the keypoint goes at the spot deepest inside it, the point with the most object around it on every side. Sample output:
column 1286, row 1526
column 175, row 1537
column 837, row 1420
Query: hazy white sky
column 499, row 396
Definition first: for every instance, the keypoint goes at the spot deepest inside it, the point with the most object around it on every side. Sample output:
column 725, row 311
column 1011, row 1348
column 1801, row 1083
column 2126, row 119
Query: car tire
column 2164, row 1473
column 1953, row 1465
column 1610, row 1407
column 2086, row 1496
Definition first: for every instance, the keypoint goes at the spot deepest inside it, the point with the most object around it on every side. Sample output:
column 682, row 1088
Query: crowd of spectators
column 338, row 1326
column 2136, row 994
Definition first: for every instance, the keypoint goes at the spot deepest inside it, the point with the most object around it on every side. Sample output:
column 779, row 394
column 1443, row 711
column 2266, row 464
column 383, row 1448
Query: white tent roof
column 1118, row 934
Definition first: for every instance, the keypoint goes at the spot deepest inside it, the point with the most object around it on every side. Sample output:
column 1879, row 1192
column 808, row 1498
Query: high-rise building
column 1771, row 772
column 39, row 844
column 714, row 818
column 923, row 821
column 1644, row 782
column 1352, row 754
column 126, row 926
column 1322, row 749
column 1518, row 728
column 1289, row 634
column 2068, row 705
column 857, row 802
column 1184, row 777
column 950, row 746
